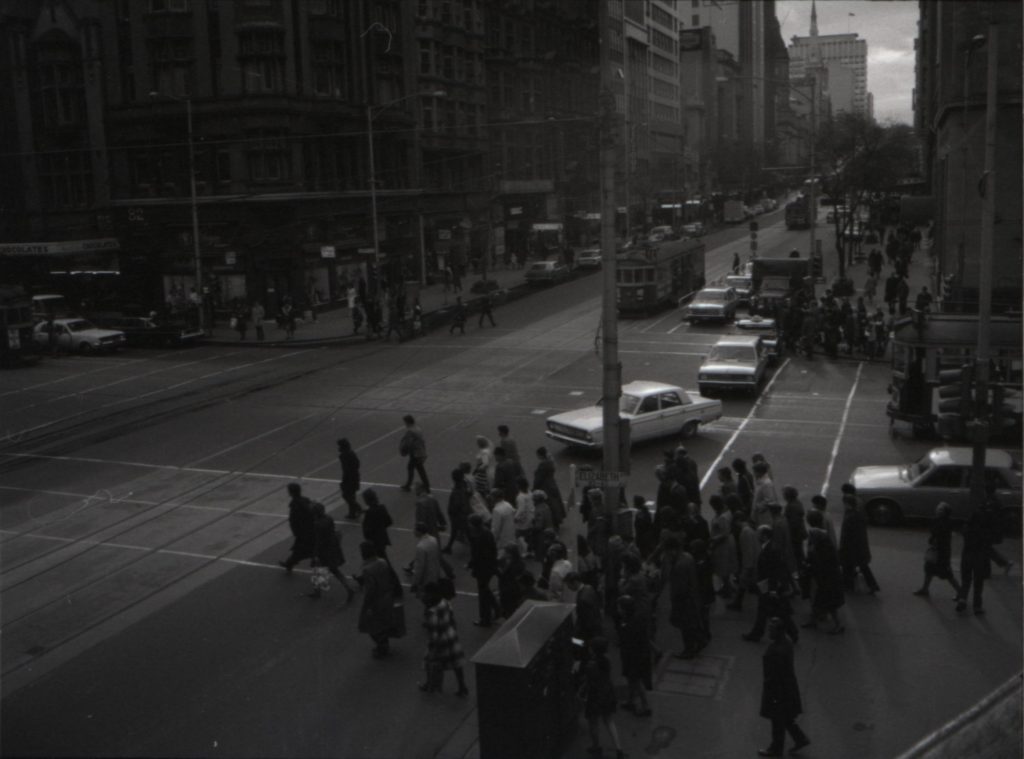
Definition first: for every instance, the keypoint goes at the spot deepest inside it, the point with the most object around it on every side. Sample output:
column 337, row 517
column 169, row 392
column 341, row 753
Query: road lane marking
column 753, row 409
column 842, row 428
column 248, row 440
column 119, row 401
column 188, row 555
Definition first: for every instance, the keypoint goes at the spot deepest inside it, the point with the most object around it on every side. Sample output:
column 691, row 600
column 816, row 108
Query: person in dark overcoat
column 483, row 565
column 544, row 479
column 327, row 550
column 773, row 581
column 854, row 550
column 938, row 557
column 510, row 569
column 376, row 521
column 349, row 478
column 684, row 595
column 459, row 509
column 780, row 693
column 379, row 617
column 976, row 559
column 599, row 695
column 633, row 626
column 826, row 574
column 300, row 520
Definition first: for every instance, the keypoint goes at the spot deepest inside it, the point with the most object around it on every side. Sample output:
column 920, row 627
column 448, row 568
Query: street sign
column 592, row 479
column 327, row 251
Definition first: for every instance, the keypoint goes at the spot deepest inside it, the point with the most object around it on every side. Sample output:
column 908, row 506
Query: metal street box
column 526, row 702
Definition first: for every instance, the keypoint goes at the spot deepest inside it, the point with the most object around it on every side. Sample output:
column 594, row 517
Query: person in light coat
column 502, row 520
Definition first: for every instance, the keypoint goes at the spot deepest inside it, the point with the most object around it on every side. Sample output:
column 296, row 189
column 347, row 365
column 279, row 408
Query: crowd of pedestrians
column 630, row 559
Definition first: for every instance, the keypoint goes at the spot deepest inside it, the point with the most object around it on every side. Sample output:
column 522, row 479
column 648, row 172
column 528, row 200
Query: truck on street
column 776, row 279
column 732, row 212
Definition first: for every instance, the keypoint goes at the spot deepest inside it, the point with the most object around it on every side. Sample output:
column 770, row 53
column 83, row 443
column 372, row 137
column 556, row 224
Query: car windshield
column 80, row 325
column 628, row 403
column 710, row 296
column 541, row 266
column 740, row 353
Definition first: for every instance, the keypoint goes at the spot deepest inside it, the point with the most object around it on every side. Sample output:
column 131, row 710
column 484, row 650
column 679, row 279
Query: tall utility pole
column 813, row 200
column 981, row 426
column 611, row 385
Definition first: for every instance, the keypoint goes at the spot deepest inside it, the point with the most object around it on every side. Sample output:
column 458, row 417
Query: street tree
column 857, row 158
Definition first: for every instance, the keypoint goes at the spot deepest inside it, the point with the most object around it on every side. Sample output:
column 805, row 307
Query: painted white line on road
column 248, row 440
column 842, row 428
column 753, row 409
column 655, row 323
column 154, row 392
column 185, row 554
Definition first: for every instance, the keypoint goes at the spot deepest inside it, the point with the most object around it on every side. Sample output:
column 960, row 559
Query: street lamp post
column 370, row 115
column 196, row 253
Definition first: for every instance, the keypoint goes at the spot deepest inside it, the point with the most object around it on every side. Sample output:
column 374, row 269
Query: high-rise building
column 950, row 99
column 845, row 56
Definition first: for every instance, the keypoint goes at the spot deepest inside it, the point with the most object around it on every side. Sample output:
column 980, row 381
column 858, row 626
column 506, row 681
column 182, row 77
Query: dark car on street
column 150, row 332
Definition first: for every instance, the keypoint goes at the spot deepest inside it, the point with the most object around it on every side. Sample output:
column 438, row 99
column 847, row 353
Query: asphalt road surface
column 144, row 510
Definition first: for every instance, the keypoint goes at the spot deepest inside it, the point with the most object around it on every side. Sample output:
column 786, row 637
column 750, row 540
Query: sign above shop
column 327, row 251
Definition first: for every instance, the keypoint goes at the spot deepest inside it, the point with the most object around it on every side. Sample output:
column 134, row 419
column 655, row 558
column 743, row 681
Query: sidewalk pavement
column 920, row 273
column 334, row 325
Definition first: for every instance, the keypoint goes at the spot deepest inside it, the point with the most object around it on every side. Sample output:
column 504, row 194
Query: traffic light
column 955, row 401
column 817, row 266
column 1002, row 413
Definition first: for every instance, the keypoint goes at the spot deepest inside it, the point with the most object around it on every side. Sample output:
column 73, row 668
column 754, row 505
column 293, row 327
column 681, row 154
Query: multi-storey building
column 846, row 58
column 950, row 116
column 269, row 104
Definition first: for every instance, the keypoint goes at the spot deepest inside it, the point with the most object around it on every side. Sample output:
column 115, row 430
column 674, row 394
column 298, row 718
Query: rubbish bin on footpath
column 526, row 704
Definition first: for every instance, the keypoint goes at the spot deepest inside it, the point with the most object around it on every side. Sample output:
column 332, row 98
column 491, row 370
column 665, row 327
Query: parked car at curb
column 694, row 229
column 546, row 272
column 79, row 335
column 890, row 494
column 713, row 304
column 653, row 409
column 735, row 362
column 145, row 331
column 589, row 258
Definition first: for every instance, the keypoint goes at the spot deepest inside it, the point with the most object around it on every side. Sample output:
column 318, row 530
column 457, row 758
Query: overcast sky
column 889, row 26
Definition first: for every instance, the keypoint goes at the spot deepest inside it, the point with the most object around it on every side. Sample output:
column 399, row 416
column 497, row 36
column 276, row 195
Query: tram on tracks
column 654, row 275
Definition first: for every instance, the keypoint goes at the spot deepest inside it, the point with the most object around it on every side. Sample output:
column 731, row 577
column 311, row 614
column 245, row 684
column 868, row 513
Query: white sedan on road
column 653, row 409
column 78, row 335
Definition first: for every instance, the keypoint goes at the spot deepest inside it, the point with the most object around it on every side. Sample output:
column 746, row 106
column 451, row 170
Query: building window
column 60, row 91
column 65, row 179
column 170, row 6
column 695, row 21
column 267, row 156
column 261, row 53
column 323, row 7
column 222, row 167
column 328, row 68
column 171, row 64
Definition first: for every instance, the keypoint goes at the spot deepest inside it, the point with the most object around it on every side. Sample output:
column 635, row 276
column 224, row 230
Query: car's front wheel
column 85, row 347
column 884, row 512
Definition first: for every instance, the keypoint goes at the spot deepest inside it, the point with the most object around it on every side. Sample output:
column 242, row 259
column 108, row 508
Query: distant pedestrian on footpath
column 780, row 693
column 486, row 306
column 414, row 447
column 382, row 615
column 458, row 317
column 349, row 478
column 300, row 520
column 258, row 315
